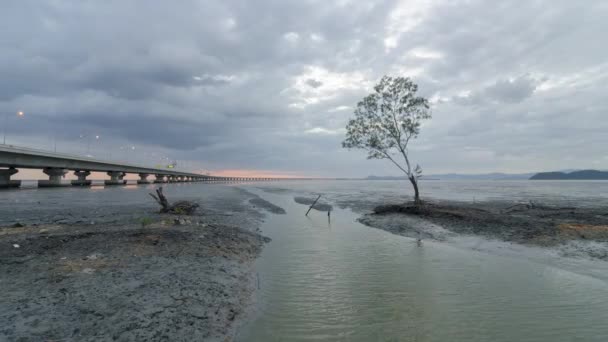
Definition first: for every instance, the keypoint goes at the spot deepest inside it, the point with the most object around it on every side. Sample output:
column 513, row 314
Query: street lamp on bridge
column 19, row 114
column 89, row 137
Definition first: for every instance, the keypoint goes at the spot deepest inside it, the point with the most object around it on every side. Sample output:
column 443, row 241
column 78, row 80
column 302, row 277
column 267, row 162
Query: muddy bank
column 159, row 278
column 319, row 205
column 259, row 202
column 568, row 228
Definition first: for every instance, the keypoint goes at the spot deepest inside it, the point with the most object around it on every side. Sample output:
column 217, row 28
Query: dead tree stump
column 179, row 208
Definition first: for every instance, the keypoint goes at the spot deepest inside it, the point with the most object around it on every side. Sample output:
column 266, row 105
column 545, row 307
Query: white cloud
column 581, row 78
column 339, row 109
column 405, row 16
column 291, row 37
column 425, row 53
column 316, row 37
column 324, row 131
column 214, row 78
column 329, row 85
column 229, row 24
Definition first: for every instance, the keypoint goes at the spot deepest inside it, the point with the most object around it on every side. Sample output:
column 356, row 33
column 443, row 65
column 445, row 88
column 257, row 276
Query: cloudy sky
column 267, row 86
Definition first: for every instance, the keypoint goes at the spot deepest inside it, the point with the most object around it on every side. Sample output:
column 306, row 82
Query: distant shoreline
column 553, row 175
column 575, row 175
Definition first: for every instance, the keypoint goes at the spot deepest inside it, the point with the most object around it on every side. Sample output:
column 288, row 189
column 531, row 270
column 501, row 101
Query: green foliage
column 386, row 120
column 145, row 221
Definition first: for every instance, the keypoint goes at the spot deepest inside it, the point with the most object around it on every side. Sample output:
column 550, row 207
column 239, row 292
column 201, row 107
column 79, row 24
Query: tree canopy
column 385, row 122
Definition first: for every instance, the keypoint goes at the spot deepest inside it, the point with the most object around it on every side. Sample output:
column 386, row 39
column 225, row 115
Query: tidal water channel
column 322, row 280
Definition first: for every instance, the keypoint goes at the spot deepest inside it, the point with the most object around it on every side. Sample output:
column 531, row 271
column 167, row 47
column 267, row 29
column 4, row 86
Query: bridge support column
column 55, row 175
column 82, row 178
column 159, row 179
column 172, row 179
column 143, row 178
column 116, row 178
column 5, row 178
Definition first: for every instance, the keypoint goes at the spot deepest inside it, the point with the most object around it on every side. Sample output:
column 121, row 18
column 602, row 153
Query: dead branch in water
column 180, row 207
column 317, row 206
column 312, row 205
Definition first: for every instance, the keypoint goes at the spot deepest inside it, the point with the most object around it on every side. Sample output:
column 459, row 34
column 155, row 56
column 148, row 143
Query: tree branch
column 388, row 156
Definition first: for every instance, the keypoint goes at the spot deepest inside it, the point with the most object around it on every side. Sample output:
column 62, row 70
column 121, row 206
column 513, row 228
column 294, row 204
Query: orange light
column 20, row 113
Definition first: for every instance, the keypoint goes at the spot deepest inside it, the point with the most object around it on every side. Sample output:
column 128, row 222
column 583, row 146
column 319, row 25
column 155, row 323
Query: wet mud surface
column 259, row 202
column 109, row 274
column 523, row 223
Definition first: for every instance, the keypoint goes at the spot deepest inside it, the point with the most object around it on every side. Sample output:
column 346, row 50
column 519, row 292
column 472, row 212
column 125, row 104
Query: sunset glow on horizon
column 258, row 173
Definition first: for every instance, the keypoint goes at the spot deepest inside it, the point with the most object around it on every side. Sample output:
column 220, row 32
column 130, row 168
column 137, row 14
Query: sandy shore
column 106, row 277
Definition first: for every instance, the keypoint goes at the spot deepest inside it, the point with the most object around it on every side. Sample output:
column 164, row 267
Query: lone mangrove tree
column 386, row 120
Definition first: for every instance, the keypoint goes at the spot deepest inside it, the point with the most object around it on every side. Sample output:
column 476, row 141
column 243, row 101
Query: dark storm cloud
column 270, row 84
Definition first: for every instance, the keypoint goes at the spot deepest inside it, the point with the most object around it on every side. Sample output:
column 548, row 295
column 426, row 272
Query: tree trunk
column 162, row 200
column 414, row 182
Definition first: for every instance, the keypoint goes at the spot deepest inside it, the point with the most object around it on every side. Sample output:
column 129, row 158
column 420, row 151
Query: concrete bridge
column 57, row 165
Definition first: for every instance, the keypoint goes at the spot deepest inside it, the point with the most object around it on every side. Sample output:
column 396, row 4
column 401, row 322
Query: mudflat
column 524, row 223
column 168, row 277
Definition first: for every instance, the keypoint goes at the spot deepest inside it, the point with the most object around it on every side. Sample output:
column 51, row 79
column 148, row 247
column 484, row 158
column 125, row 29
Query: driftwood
column 180, row 207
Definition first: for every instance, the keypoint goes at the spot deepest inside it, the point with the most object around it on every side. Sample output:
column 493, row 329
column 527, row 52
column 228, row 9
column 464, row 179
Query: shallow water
column 342, row 281
column 575, row 193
